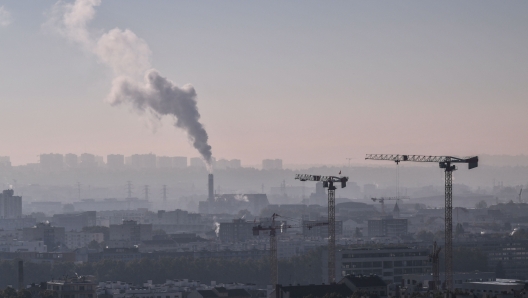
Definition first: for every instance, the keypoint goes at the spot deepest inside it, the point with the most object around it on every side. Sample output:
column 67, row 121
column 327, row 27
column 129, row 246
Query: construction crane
column 328, row 182
column 273, row 228
column 382, row 201
column 446, row 163
column 434, row 258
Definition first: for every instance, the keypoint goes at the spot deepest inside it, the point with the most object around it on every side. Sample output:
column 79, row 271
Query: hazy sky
column 306, row 81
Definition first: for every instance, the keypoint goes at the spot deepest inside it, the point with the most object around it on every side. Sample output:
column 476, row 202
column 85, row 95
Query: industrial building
column 10, row 205
column 390, row 263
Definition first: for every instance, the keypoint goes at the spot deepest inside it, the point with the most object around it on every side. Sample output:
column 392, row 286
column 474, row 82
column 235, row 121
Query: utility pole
column 328, row 182
column 446, row 163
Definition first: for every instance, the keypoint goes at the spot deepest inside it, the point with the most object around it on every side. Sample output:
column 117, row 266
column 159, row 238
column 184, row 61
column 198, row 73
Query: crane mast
column 328, row 182
column 446, row 163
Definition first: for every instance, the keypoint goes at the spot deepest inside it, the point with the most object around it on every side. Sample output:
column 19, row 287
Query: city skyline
column 398, row 80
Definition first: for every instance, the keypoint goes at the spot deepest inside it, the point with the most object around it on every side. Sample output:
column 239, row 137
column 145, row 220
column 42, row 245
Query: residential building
column 10, row 205
column 372, row 285
column 389, row 262
column 220, row 292
column 324, row 290
column 88, row 160
column 22, row 246
column 238, row 230
column 129, row 233
column 115, row 161
column 179, row 162
column 143, row 161
column 52, row 236
column 272, row 164
column 51, row 162
column 75, row 221
column 5, row 161
column 164, row 162
column 197, row 162
column 82, row 239
column 387, row 226
column 71, row 160
column 75, row 287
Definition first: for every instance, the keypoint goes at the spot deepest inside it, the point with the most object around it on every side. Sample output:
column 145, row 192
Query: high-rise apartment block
column 71, row 160
column 88, row 160
column 51, row 161
column 115, row 161
column 5, row 161
column 164, row 162
column 197, row 162
column 10, row 205
column 179, row 162
column 142, row 161
column 272, row 164
column 223, row 164
column 387, row 226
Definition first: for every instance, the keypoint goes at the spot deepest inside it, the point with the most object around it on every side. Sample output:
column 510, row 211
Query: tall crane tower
column 274, row 262
column 382, row 201
column 446, row 163
column 328, row 182
column 273, row 229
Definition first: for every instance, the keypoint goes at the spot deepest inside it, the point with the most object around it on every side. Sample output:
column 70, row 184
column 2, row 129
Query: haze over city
column 289, row 149
column 290, row 80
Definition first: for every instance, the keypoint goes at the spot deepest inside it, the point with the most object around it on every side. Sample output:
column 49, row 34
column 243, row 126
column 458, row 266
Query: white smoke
column 129, row 57
column 5, row 17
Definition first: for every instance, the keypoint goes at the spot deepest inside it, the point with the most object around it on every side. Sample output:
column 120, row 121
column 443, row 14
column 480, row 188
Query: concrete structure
column 75, row 221
column 22, row 246
column 52, row 236
column 390, row 263
column 197, row 162
column 88, row 160
column 143, row 161
column 77, row 287
column 179, row 162
column 220, row 292
column 387, row 226
column 129, row 233
column 164, row 162
column 71, row 160
column 272, row 164
column 51, row 162
column 422, row 282
column 115, row 161
column 10, row 205
column 238, row 230
column 81, row 239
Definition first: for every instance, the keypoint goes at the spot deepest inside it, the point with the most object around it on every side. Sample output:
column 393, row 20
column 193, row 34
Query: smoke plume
column 135, row 82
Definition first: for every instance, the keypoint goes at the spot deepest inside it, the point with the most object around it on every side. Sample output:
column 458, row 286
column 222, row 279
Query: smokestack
column 20, row 275
column 211, row 188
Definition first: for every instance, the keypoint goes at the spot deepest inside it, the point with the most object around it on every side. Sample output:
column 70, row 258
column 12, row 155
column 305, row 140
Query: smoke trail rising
column 129, row 57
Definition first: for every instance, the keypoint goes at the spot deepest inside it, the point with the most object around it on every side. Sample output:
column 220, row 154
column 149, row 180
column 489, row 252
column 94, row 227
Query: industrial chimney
column 211, row 188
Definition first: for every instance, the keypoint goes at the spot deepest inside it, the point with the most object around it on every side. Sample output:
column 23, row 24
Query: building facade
column 10, row 205
column 390, row 263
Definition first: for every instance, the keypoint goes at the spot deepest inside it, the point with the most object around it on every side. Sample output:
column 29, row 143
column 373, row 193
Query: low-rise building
column 82, row 239
column 389, row 262
column 77, row 287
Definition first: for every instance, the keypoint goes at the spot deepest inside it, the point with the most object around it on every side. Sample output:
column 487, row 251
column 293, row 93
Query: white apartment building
column 82, row 239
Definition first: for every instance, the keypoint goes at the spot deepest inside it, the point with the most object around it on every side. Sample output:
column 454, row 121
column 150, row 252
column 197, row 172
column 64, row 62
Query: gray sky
column 307, row 81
